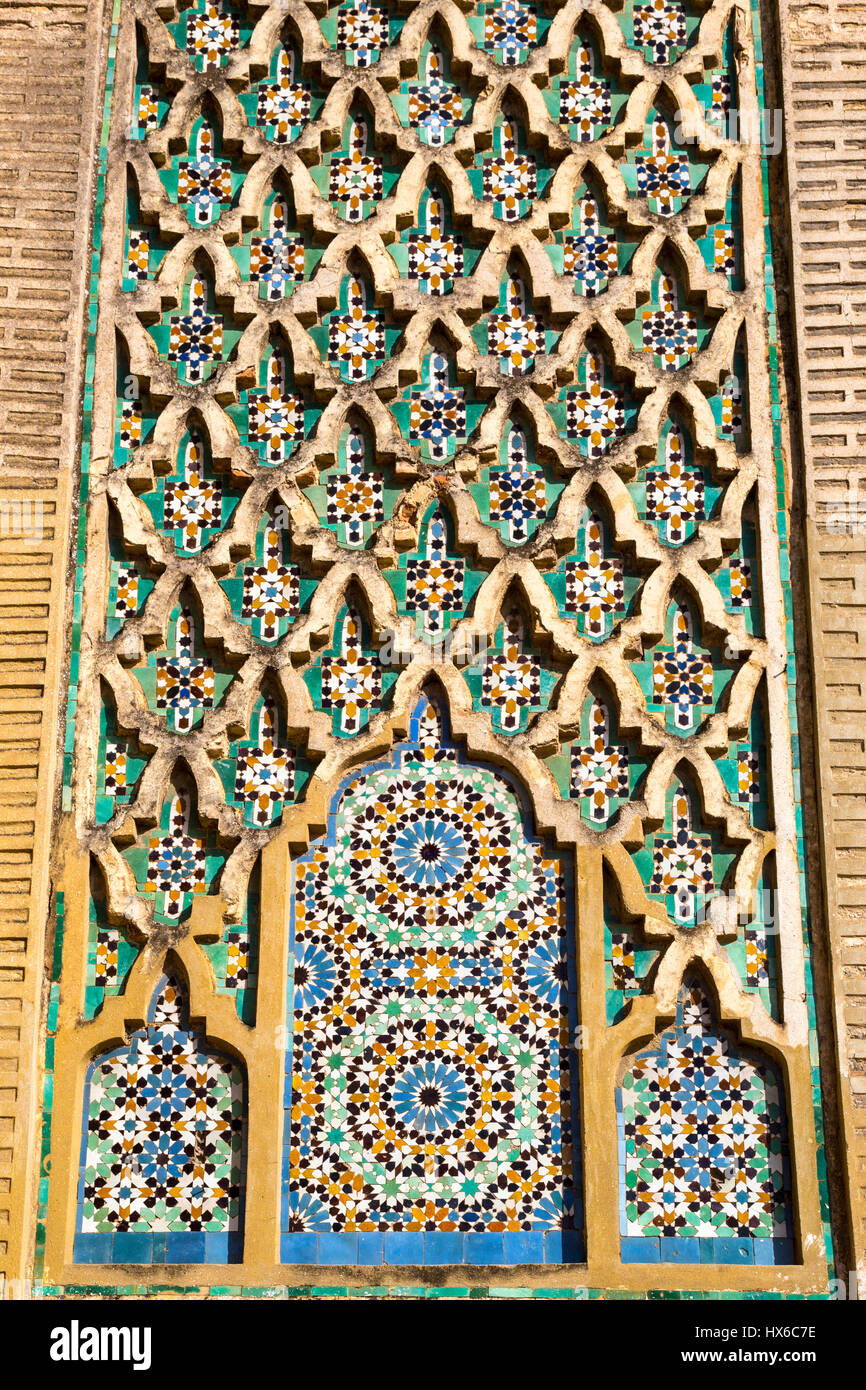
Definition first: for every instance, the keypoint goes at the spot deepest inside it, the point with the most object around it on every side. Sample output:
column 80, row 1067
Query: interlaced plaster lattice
column 188, row 346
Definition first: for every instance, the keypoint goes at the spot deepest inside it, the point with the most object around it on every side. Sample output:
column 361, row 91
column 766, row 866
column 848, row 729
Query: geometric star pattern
column 599, row 770
column 705, row 1135
column 164, row 1134
column 429, row 1086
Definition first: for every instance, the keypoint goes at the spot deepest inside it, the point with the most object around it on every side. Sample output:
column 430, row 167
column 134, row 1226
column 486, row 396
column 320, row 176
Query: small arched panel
column 162, row 1148
column 704, row 1166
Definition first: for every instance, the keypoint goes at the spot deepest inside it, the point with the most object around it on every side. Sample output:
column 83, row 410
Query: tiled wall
column 433, row 579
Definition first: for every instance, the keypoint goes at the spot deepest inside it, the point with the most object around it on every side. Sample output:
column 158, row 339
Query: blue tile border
column 415, row 1248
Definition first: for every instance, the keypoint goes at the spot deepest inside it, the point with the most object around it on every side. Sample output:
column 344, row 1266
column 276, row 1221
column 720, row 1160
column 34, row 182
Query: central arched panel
column 431, row 1095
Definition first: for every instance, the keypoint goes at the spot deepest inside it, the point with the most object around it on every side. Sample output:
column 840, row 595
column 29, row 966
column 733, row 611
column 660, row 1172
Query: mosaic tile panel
column 278, row 256
column 360, row 31
column 584, row 99
column 705, row 1138
column 592, row 586
column 591, row 250
column 274, row 414
column 432, row 586
column 509, row 681
column 433, row 254
column 429, row 1089
column 354, row 178
column 202, row 182
column 515, row 494
column 162, row 1158
column 353, row 492
column 662, row 171
column 180, row 680
column 120, row 766
column 687, row 862
column 514, row 334
column 509, row 178
column 661, row 29
column 349, row 681
column 283, row 102
column 508, row 31
column 432, row 104
column 436, row 415
column 384, row 362
column 179, row 859
column 211, row 31
column 600, row 768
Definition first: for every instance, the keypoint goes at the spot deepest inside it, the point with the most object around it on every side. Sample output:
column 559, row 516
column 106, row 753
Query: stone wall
column 824, row 72
column 51, row 72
